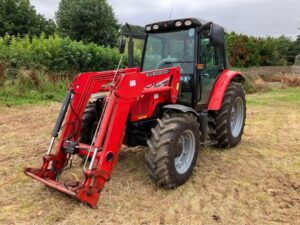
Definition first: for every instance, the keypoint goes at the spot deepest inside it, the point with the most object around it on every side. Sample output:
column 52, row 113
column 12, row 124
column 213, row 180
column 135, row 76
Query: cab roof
column 169, row 25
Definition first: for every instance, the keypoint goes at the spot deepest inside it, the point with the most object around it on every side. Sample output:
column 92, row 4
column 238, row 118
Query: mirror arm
column 130, row 47
column 202, row 27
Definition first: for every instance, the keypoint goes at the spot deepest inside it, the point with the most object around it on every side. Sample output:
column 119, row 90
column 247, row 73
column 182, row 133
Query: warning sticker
column 132, row 83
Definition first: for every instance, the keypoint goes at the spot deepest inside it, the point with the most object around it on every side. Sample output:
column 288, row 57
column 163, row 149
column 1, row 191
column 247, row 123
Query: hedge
column 56, row 54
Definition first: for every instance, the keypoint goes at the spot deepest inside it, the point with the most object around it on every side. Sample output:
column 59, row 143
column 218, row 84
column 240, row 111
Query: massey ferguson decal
column 155, row 73
column 162, row 83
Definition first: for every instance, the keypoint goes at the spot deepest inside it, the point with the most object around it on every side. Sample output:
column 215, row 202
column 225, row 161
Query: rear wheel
column 230, row 119
column 173, row 149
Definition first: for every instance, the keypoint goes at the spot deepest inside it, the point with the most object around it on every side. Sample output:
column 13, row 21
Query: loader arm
column 126, row 90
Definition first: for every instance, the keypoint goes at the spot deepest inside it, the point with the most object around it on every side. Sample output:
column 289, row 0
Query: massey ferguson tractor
column 181, row 99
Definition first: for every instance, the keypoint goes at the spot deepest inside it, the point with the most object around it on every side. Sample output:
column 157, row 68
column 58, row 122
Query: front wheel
column 89, row 124
column 173, row 149
column 230, row 119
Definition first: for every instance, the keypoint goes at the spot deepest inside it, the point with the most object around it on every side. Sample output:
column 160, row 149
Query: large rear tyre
column 230, row 119
column 173, row 149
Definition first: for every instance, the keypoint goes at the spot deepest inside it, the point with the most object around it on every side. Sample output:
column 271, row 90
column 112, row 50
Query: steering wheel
column 167, row 63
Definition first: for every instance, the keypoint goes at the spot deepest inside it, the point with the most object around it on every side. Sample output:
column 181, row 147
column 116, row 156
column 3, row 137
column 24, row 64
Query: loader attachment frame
column 125, row 90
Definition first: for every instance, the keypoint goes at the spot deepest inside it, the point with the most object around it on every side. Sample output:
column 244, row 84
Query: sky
column 252, row 17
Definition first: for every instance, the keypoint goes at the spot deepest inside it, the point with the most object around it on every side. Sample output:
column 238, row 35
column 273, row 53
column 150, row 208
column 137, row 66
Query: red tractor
column 182, row 98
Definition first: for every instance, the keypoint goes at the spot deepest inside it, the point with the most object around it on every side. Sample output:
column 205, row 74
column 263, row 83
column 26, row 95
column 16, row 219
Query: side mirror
column 217, row 35
column 122, row 46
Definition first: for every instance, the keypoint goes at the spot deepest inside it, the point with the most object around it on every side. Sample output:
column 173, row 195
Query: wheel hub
column 237, row 117
column 185, row 151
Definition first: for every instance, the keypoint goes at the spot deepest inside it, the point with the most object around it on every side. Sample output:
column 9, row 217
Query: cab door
column 213, row 59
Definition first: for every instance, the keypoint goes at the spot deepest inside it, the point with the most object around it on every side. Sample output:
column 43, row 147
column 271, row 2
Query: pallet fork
column 127, row 89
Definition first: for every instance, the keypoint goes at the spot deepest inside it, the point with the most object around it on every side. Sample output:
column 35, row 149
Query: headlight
column 178, row 23
column 188, row 22
column 155, row 27
column 148, row 28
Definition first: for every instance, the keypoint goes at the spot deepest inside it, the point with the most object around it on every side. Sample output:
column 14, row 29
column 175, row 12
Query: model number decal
column 155, row 73
column 162, row 83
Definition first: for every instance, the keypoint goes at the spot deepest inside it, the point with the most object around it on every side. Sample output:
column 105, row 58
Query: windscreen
column 170, row 49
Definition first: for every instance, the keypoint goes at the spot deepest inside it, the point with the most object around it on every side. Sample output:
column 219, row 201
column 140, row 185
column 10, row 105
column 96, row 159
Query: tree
column 19, row 17
column 88, row 20
column 136, row 29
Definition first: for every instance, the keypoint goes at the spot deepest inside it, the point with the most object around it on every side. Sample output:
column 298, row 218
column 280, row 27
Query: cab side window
column 211, row 56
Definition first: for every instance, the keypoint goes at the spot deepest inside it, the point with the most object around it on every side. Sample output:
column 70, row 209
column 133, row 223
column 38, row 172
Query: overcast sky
column 255, row 17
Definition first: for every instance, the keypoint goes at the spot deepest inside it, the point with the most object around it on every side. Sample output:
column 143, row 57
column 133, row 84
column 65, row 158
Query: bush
column 40, row 68
column 32, row 86
column 247, row 51
column 290, row 80
column 56, row 54
column 297, row 60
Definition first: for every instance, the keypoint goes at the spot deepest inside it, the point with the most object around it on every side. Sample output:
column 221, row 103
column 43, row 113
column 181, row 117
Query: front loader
column 181, row 99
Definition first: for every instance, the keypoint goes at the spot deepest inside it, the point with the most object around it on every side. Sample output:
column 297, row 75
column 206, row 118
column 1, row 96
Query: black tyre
column 173, row 149
column 89, row 123
column 230, row 119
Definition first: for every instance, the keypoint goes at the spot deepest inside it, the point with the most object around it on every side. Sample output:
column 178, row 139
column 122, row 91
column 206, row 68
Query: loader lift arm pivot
column 129, row 88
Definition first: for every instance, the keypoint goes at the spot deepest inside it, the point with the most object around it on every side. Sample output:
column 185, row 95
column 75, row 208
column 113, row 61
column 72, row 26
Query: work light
column 155, row 27
column 148, row 28
column 178, row 23
column 188, row 22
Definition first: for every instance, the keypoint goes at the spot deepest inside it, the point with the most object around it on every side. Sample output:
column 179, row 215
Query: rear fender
column 220, row 87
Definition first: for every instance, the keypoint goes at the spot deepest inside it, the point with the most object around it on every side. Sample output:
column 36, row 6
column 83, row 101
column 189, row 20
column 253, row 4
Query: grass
column 255, row 183
column 275, row 96
column 10, row 97
column 39, row 86
column 33, row 87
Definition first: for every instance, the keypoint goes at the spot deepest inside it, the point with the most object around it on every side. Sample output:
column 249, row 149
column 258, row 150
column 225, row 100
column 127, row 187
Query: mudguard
column 220, row 87
column 181, row 108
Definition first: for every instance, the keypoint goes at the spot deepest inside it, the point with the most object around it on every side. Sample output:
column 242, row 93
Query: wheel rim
column 186, row 143
column 237, row 117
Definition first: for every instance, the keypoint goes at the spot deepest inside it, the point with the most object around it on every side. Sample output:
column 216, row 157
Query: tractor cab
column 196, row 46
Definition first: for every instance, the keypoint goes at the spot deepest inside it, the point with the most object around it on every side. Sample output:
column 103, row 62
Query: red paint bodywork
column 133, row 94
column 220, row 87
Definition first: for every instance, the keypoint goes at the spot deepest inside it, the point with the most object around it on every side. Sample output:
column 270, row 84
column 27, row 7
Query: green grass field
column 257, row 182
column 275, row 96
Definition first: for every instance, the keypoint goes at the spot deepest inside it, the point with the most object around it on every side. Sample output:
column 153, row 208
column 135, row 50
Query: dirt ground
column 257, row 182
